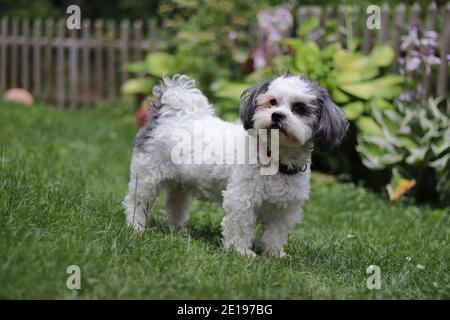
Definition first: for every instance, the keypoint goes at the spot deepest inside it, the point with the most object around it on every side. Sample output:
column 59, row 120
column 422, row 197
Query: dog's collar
column 289, row 170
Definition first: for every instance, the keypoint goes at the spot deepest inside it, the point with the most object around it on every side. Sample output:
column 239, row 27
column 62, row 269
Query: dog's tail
column 179, row 96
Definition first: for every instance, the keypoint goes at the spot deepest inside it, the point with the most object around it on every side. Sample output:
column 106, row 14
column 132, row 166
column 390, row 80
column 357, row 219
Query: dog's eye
column 273, row 102
column 299, row 108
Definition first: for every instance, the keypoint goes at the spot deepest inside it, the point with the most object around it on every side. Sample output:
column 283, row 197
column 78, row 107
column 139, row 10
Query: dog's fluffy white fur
column 306, row 119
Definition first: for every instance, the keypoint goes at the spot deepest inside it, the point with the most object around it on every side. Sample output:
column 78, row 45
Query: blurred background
column 392, row 82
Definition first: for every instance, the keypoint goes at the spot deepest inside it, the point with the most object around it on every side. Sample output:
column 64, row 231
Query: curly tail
column 179, row 96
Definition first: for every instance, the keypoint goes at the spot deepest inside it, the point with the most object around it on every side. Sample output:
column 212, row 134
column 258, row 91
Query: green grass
column 63, row 175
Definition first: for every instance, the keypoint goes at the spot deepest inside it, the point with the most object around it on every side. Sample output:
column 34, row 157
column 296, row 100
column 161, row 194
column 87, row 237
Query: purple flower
column 412, row 63
column 411, row 39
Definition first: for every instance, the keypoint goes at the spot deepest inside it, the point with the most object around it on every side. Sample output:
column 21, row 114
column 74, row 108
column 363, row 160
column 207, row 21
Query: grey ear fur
column 248, row 102
column 332, row 125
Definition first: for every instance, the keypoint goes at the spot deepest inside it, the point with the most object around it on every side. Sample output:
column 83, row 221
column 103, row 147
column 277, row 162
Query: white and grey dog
column 306, row 118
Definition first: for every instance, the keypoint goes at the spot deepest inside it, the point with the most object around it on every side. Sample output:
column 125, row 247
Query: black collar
column 284, row 169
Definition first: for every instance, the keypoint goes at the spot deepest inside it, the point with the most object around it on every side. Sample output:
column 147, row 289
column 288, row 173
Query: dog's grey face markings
column 326, row 120
column 332, row 124
column 249, row 101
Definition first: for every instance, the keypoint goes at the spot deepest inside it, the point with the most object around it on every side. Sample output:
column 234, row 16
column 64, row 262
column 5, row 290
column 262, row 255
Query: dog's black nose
column 277, row 117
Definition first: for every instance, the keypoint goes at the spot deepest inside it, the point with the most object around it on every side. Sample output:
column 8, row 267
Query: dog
column 306, row 120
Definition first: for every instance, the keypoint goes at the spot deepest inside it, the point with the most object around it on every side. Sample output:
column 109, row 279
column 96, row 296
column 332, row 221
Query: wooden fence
column 69, row 67
column 82, row 67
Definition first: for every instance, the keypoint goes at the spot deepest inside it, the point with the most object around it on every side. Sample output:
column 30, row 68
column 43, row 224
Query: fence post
column 98, row 59
column 14, row 50
column 442, row 87
column 397, row 27
column 25, row 53
column 429, row 25
column 3, row 53
column 111, row 60
column 86, row 61
column 341, row 26
column 37, row 59
column 48, row 52
column 124, row 37
column 73, row 67
column 382, row 33
column 61, row 86
column 367, row 35
column 137, row 29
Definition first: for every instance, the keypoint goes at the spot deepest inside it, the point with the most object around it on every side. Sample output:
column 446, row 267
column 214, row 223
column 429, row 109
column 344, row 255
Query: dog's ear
column 248, row 102
column 332, row 124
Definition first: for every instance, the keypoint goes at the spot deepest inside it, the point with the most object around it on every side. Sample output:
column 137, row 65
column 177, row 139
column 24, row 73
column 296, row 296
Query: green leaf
column 408, row 143
column 353, row 110
column 369, row 126
column 441, row 163
column 160, row 64
column 307, row 26
column 386, row 87
column 307, row 56
column 381, row 104
column 231, row 90
column 339, row 96
column 135, row 67
column 382, row 55
column 138, row 85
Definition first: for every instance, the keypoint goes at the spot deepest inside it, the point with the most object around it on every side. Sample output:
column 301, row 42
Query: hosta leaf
column 440, row 163
column 386, row 87
column 353, row 110
column 339, row 96
column 231, row 90
column 347, row 60
column 382, row 55
column 369, row 126
column 137, row 85
column 408, row 143
column 160, row 64
column 440, row 146
column 416, row 156
column 381, row 104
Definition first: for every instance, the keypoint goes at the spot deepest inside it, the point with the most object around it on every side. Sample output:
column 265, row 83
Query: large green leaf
column 382, row 55
column 369, row 126
column 231, row 90
column 339, row 96
column 381, row 104
column 160, row 64
column 386, row 87
column 353, row 110
column 137, row 85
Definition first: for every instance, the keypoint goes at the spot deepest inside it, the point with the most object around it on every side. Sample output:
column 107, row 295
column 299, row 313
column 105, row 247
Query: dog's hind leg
column 178, row 200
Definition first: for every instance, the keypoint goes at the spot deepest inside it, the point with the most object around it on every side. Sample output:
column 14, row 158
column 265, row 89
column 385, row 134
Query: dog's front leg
column 238, row 224
column 277, row 227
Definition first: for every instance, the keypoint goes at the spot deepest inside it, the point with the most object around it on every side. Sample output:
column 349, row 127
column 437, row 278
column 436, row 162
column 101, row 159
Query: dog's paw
column 136, row 226
column 276, row 253
column 246, row 252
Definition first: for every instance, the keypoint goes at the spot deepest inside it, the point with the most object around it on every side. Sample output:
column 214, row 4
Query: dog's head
column 301, row 110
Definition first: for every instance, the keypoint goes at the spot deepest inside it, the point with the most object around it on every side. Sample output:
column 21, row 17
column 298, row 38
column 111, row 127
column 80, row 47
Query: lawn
column 63, row 175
